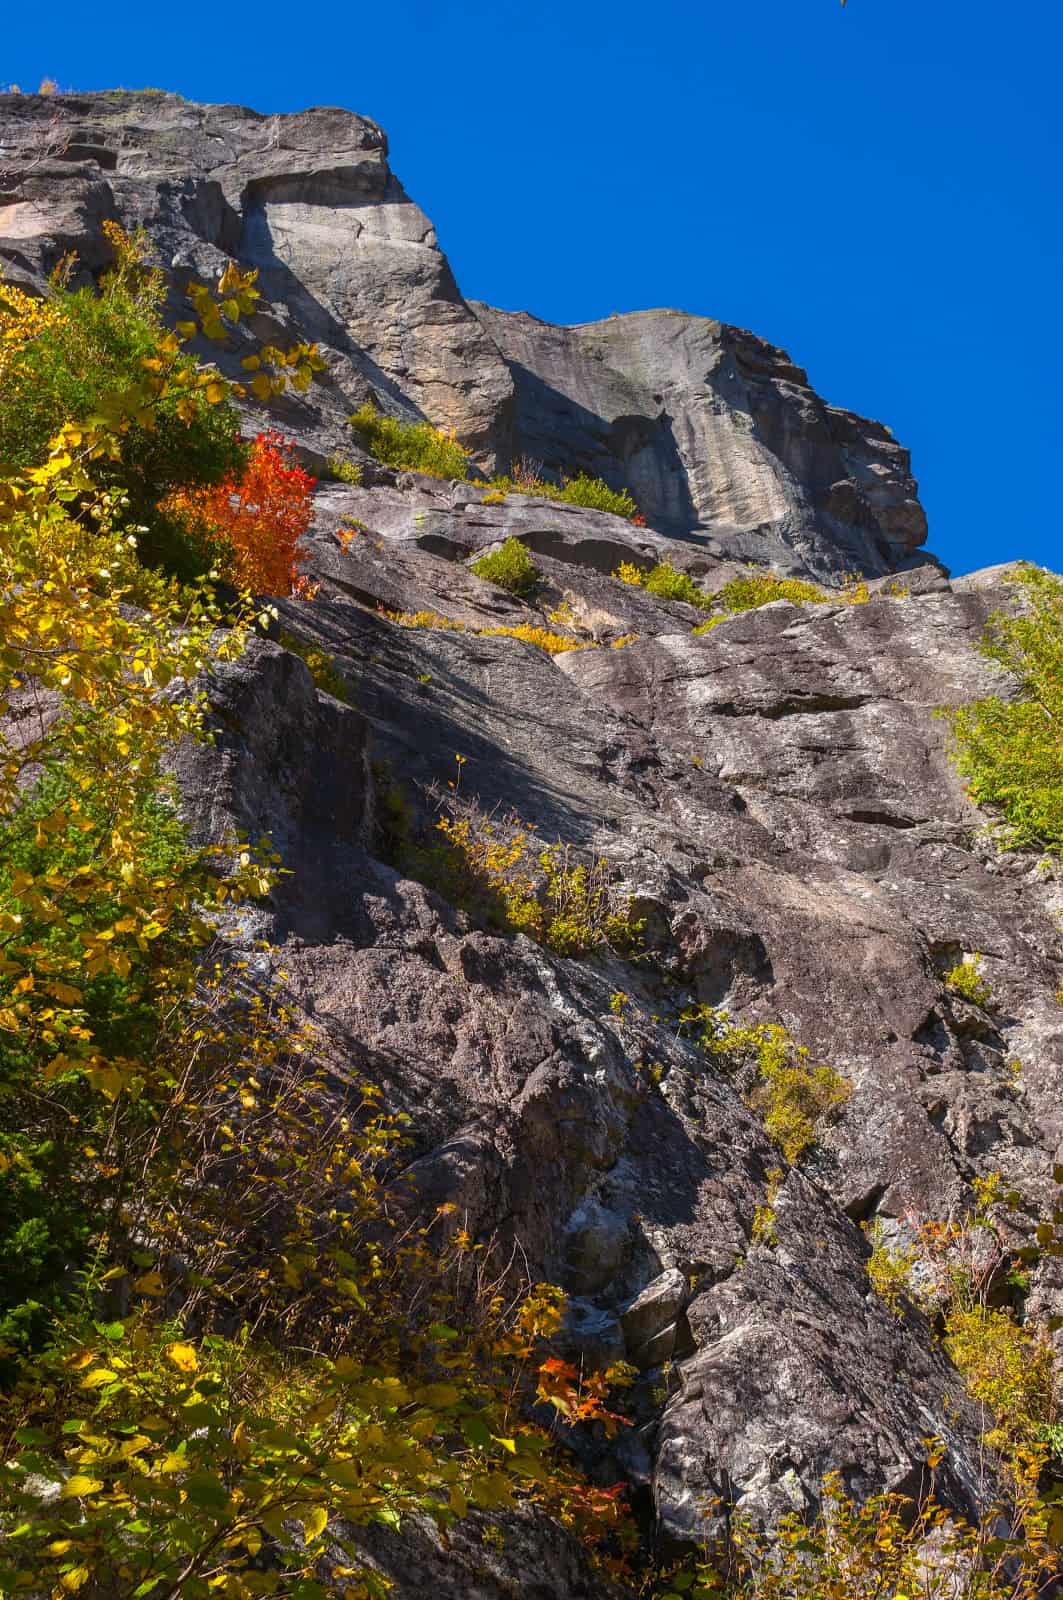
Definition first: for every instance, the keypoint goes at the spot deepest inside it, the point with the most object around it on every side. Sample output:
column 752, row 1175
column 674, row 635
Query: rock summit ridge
column 717, row 433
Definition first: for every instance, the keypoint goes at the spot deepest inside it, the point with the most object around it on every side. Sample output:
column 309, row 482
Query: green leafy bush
column 497, row 871
column 664, row 581
column 596, row 495
column 965, row 979
column 510, row 567
column 1011, row 751
column 344, row 471
column 668, row 584
column 93, row 347
column 761, row 588
column 414, row 446
column 581, row 490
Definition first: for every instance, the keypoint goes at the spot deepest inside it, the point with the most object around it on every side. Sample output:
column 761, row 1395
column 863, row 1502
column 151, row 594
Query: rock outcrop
column 775, row 796
column 718, row 435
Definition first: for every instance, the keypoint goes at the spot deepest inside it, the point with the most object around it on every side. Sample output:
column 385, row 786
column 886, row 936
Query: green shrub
column 596, row 495
column 92, row 348
column 503, row 878
column 582, row 490
column 511, row 568
column 793, row 1093
column 413, row 446
column 344, row 471
column 668, row 584
column 46, row 1187
column 761, row 588
column 1011, row 751
column 664, row 581
column 322, row 667
column 965, row 979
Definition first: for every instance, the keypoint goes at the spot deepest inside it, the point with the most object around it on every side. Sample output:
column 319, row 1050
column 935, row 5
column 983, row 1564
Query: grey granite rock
column 774, row 795
column 717, row 433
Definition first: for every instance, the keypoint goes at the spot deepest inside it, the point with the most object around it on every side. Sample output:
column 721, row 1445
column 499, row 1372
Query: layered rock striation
column 717, row 434
column 775, row 796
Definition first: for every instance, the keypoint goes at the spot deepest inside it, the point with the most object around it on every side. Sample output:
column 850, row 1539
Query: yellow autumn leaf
column 79, row 1485
column 314, row 1523
column 98, row 1377
column 183, row 1357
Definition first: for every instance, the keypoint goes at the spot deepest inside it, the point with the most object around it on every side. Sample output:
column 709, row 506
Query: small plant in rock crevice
column 510, row 568
column 965, row 980
column 495, row 869
column 554, row 644
column 322, row 667
column 525, row 477
column 794, row 1094
column 344, row 471
column 665, row 582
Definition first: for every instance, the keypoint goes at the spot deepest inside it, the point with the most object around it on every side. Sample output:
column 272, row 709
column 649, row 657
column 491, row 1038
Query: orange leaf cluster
column 258, row 520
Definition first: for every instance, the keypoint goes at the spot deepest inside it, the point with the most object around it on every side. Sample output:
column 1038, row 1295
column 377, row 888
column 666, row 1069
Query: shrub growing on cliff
column 497, row 871
column 252, row 522
column 580, row 490
column 413, row 446
column 1011, row 750
column 510, row 567
column 666, row 582
column 86, row 350
column 794, row 1094
column 965, row 980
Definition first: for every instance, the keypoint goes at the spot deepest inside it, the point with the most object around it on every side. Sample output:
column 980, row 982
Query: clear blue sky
column 877, row 188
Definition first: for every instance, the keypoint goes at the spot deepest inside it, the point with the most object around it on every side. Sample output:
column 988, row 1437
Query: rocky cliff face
column 719, row 436
column 775, row 795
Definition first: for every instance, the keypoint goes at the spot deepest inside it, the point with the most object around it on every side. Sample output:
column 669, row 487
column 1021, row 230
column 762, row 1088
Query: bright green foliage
column 1009, row 1367
column 794, row 1094
column 965, row 980
column 761, row 587
column 344, row 471
column 415, row 446
column 100, row 346
column 1011, row 750
column 582, row 490
column 510, row 567
column 664, row 581
column 889, row 1269
column 764, row 1215
column 668, row 584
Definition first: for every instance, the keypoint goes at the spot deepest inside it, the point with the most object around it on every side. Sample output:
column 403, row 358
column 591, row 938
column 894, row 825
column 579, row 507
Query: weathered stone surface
column 775, row 795
column 717, row 433
column 344, row 256
column 796, row 873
